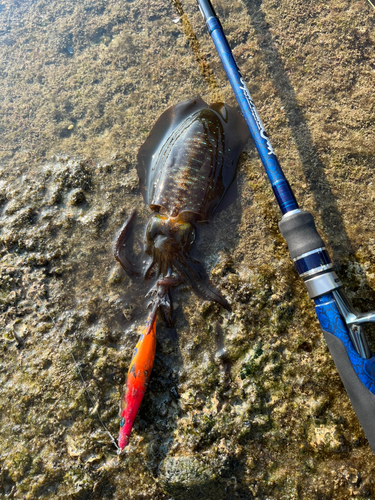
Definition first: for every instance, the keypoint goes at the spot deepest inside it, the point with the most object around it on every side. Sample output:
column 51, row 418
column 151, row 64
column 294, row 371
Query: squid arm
column 193, row 273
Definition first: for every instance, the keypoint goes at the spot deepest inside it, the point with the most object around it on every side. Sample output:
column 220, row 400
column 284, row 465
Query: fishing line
column 84, row 383
column 95, row 406
column 96, row 411
column 372, row 5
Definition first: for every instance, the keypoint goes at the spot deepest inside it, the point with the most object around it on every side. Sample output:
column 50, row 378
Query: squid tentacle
column 194, row 274
column 120, row 254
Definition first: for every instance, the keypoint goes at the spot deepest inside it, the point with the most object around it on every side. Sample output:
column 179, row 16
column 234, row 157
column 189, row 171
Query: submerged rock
column 242, row 405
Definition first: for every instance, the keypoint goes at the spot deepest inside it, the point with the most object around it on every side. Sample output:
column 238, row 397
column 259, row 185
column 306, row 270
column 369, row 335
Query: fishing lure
column 185, row 168
column 138, row 377
column 141, row 365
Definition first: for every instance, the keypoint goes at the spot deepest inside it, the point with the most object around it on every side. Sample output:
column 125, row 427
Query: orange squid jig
column 137, row 379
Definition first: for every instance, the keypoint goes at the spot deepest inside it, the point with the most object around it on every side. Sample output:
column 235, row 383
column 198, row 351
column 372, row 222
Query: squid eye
column 185, row 235
column 184, row 228
column 154, row 227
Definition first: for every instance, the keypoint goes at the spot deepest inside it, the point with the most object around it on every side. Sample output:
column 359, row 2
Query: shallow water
column 247, row 405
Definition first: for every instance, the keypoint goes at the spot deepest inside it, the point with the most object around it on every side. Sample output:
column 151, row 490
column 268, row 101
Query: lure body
column 137, row 379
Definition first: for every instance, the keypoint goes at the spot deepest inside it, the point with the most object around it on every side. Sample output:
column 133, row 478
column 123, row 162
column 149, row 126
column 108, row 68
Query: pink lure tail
column 137, row 380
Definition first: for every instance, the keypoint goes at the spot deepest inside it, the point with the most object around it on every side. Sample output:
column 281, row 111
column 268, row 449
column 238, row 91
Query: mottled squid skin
column 137, row 380
column 185, row 168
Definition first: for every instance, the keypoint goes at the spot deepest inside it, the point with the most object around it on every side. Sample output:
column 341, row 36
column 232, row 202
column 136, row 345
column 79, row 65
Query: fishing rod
column 340, row 322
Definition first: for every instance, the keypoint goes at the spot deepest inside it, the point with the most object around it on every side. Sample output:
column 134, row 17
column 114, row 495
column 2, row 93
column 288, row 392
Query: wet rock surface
column 243, row 405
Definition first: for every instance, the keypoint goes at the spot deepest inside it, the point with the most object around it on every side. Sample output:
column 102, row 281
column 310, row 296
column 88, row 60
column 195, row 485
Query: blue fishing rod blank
column 342, row 325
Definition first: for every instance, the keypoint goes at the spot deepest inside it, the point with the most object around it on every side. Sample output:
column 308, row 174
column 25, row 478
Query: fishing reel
column 315, row 267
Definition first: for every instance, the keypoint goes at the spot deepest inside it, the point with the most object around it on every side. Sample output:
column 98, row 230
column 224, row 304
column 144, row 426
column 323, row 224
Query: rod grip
column 300, row 233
